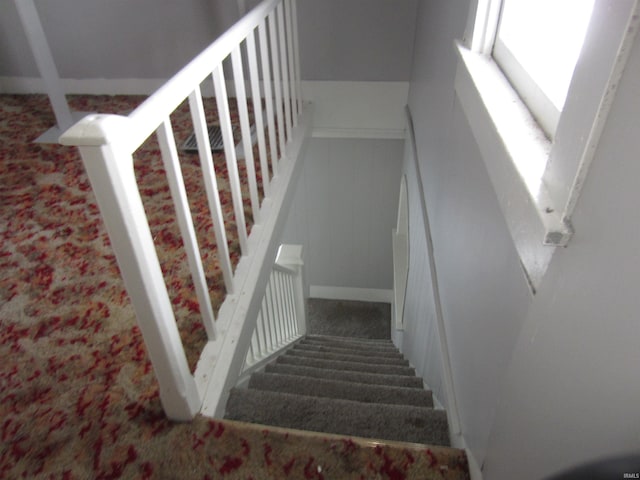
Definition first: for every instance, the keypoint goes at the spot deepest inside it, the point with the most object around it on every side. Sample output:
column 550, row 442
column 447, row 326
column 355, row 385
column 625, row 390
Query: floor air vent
column 215, row 140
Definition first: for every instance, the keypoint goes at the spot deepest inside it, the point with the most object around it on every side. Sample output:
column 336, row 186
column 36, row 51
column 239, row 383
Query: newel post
column 290, row 256
column 109, row 165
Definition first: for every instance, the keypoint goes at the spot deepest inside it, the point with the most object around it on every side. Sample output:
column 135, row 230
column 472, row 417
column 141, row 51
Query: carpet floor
column 78, row 398
column 343, row 318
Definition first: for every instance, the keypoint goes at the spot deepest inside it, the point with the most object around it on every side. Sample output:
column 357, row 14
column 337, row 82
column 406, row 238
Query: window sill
column 515, row 151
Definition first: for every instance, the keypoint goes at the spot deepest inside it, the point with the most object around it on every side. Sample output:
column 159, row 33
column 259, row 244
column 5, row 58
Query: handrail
column 166, row 99
column 107, row 144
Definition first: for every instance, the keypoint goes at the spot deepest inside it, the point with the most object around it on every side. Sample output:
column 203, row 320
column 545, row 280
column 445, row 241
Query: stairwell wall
column 145, row 39
column 343, row 211
column 543, row 381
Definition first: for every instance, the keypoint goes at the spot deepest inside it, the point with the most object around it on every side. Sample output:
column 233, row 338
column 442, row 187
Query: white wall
column 547, row 381
column 353, row 40
column 115, row 39
column 344, row 209
column 483, row 291
column 356, row 40
column 575, row 366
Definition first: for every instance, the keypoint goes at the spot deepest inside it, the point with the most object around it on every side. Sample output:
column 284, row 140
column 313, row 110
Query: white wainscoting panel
column 344, row 211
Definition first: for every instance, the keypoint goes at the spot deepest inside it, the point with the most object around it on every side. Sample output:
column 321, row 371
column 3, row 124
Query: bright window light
column 543, row 38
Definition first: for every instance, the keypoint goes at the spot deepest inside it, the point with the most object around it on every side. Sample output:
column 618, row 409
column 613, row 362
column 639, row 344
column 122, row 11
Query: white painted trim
column 376, row 133
column 350, row 293
column 538, row 202
column 85, row 86
column 524, row 209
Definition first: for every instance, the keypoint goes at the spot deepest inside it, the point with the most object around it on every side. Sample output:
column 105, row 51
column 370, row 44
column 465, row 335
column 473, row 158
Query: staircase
column 348, row 386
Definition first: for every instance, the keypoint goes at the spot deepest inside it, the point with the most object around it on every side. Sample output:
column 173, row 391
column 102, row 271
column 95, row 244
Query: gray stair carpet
column 342, row 357
column 342, row 385
column 323, row 348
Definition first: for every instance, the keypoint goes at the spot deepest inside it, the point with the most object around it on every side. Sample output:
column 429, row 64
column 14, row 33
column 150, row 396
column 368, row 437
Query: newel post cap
column 96, row 130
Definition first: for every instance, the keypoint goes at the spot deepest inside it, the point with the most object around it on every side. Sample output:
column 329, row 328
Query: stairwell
column 342, row 385
column 354, row 387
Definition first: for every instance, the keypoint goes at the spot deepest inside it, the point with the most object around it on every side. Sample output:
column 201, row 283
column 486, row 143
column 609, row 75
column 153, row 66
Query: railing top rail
column 148, row 116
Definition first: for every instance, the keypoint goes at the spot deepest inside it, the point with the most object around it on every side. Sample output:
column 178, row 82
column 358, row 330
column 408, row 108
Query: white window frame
column 537, row 180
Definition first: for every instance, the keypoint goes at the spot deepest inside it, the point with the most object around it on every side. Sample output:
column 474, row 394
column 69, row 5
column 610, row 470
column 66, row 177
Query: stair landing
column 244, row 450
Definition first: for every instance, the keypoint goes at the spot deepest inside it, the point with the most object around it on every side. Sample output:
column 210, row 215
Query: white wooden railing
column 281, row 319
column 107, row 143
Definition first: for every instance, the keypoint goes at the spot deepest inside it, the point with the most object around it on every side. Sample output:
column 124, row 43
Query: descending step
column 318, row 387
column 372, row 360
column 350, row 342
column 342, row 385
column 356, row 377
column 381, row 421
column 310, row 347
column 288, row 359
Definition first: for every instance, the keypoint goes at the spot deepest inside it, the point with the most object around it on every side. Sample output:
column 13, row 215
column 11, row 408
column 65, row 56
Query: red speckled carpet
column 78, row 398
column 77, row 388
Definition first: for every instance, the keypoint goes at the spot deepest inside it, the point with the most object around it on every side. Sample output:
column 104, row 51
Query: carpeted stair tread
column 346, row 376
column 351, row 342
column 351, row 347
column 349, row 351
column 369, row 359
column 340, row 389
column 350, row 339
column 350, row 366
column 346, row 417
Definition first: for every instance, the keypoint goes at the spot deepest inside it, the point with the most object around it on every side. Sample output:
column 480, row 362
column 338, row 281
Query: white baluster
column 245, row 128
column 261, row 334
column 211, row 186
column 279, row 307
column 251, row 357
column 268, row 95
column 296, row 55
column 230, row 153
column 268, row 315
column 257, row 111
column 291, row 62
column 292, row 314
column 169, row 153
column 285, row 71
column 285, row 306
column 277, row 85
column 286, row 317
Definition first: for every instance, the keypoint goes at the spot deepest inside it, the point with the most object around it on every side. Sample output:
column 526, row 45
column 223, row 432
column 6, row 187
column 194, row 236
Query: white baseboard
column 475, row 470
column 348, row 293
column 85, row 86
column 341, row 109
column 380, row 133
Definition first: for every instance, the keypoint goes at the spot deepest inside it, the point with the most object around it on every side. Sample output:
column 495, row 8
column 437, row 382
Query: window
column 537, row 162
column 537, row 46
